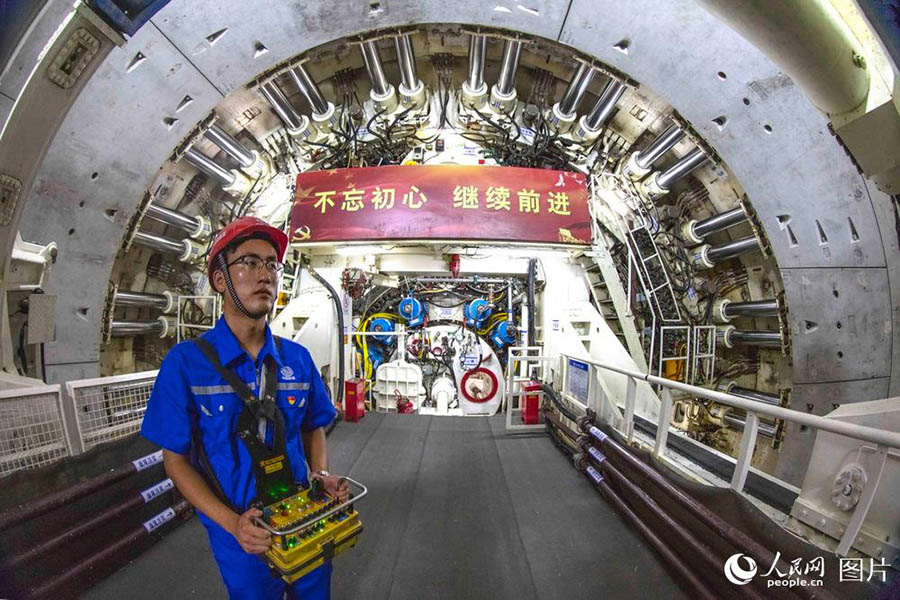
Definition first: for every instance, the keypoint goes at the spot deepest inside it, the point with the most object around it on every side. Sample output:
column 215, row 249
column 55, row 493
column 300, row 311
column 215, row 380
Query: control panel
column 309, row 528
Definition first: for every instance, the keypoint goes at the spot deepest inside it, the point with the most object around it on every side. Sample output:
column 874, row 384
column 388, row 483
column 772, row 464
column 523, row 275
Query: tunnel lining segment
column 794, row 171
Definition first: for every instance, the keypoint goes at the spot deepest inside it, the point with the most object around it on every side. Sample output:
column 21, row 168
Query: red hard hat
column 241, row 228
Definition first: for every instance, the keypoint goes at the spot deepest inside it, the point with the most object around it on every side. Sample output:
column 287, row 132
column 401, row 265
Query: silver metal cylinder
column 568, row 104
column 132, row 328
column 757, row 308
column 230, row 146
column 750, row 394
column 665, row 142
column 207, row 165
column 477, row 53
column 687, row 163
column 737, row 421
column 142, row 299
column 407, row 61
column 508, row 66
column 766, row 339
column 176, row 219
column 159, row 243
column 719, row 222
column 280, row 104
column 309, row 89
column 372, row 59
column 603, row 109
column 530, row 114
column 732, row 249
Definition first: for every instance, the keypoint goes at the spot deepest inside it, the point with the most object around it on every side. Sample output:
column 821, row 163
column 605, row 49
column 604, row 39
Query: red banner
column 441, row 202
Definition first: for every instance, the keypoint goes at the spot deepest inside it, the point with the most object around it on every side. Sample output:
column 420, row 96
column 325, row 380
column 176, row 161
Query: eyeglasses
column 255, row 263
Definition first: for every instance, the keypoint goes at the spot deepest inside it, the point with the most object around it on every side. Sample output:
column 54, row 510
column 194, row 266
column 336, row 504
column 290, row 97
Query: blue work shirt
column 189, row 393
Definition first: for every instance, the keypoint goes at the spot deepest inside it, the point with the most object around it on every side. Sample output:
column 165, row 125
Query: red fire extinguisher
column 454, row 265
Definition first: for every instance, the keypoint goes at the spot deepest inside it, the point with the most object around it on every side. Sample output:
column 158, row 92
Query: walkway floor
column 457, row 508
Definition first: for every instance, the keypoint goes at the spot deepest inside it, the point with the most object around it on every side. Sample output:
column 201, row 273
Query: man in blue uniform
column 200, row 421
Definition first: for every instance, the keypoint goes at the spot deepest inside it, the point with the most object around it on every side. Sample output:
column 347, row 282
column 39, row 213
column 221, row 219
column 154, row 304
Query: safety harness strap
column 271, row 467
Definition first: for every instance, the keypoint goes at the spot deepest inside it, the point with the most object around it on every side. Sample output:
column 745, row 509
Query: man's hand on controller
column 334, row 486
column 253, row 539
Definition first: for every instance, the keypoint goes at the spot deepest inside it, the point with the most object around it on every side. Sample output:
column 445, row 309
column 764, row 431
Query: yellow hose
column 367, row 365
column 493, row 320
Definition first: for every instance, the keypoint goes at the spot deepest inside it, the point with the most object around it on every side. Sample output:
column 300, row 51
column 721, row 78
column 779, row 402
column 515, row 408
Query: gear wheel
column 848, row 486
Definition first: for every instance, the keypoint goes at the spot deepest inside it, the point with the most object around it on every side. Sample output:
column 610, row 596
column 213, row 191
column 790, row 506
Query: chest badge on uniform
column 291, row 400
column 287, row 373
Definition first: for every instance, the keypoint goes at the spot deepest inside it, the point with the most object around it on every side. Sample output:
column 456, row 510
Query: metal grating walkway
column 456, row 509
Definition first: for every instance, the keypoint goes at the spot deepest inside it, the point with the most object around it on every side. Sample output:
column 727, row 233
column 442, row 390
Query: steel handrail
column 861, row 432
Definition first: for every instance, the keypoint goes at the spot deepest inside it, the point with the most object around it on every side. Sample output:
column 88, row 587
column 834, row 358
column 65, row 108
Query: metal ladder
column 644, row 260
column 652, row 272
column 611, row 299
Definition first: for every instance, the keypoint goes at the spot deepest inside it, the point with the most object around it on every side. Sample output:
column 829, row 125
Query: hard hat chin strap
column 229, row 285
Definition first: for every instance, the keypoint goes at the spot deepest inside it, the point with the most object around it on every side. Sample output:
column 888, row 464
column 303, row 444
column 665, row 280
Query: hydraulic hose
column 554, row 422
column 109, row 553
column 340, row 318
column 532, row 274
column 365, row 345
column 565, row 447
column 731, row 534
column 558, row 403
column 639, row 497
column 84, row 527
column 666, row 552
column 55, row 500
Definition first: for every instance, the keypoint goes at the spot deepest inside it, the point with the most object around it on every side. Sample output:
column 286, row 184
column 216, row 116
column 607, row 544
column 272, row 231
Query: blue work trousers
column 247, row 576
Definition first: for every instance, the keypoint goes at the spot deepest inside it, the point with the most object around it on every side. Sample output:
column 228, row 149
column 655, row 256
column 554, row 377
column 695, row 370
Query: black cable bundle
column 558, row 402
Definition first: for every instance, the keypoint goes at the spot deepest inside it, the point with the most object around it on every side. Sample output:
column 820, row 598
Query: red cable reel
column 477, row 395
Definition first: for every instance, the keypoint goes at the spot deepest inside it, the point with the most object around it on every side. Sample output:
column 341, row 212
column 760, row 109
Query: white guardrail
column 43, row 424
column 883, row 439
column 105, row 409
column 32, row 429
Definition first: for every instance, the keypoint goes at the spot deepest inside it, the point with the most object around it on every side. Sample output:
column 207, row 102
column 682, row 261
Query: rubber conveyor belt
column 457, row 508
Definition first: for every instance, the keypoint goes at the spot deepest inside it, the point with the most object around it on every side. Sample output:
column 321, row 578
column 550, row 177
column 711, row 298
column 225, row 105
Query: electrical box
column 354, row 399
column 531, row 402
